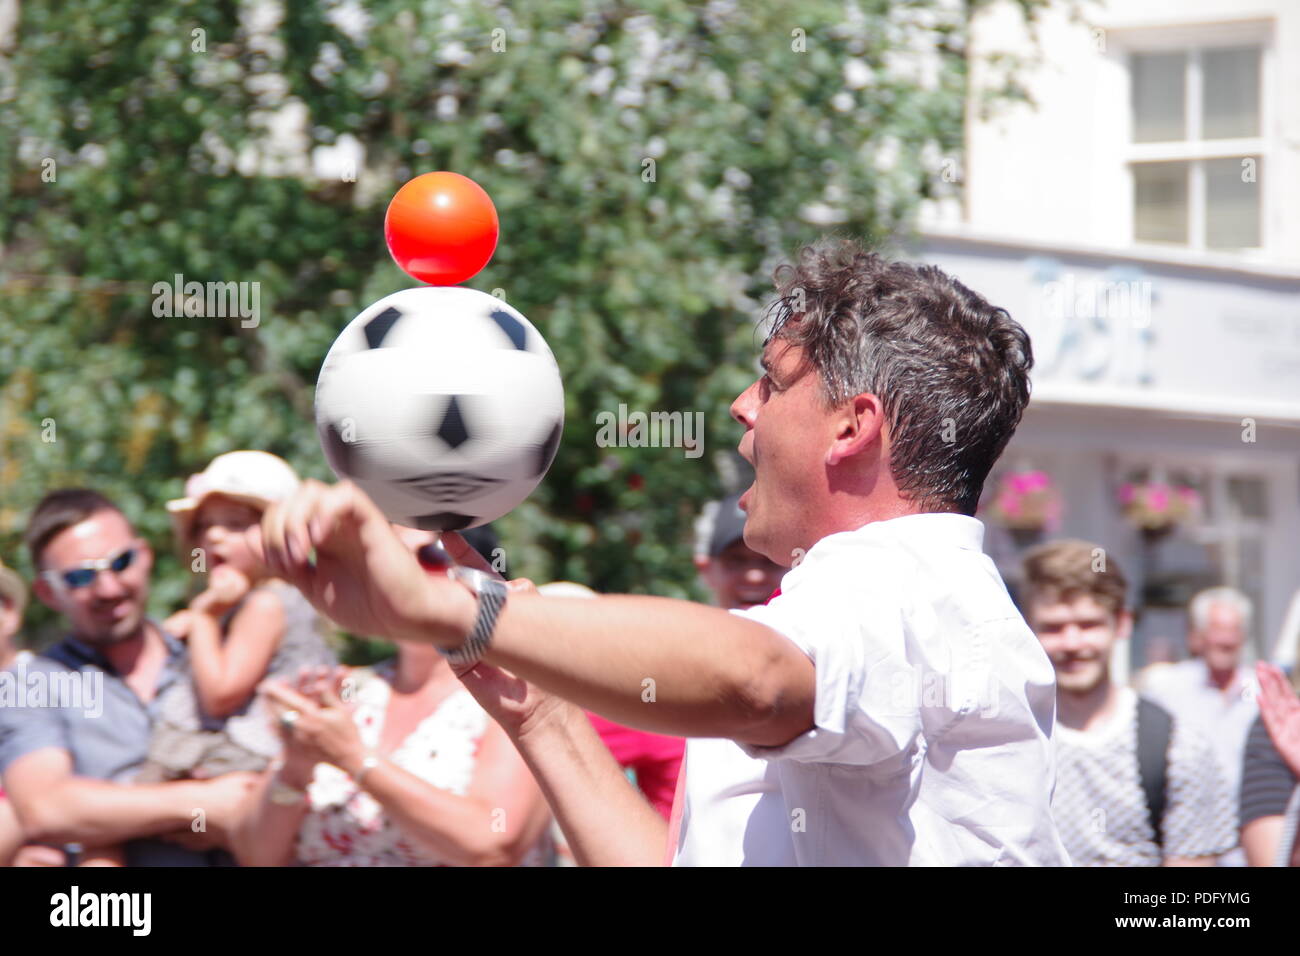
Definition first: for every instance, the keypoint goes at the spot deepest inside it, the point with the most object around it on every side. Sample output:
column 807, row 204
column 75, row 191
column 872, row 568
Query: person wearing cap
column 68, row 761
column 738, row 576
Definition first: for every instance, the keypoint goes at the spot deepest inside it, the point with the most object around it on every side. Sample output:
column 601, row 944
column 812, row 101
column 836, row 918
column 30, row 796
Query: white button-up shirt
column 934, row 708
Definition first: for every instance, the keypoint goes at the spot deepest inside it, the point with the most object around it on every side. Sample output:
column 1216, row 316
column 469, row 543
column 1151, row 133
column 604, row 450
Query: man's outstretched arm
column 605, row 819
column 666, row 666
column 54, row 805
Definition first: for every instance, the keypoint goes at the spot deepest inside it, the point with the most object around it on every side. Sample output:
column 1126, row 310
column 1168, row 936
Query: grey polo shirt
column 72, row 698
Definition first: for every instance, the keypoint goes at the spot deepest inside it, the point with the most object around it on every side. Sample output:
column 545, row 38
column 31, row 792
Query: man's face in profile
column 788, row 429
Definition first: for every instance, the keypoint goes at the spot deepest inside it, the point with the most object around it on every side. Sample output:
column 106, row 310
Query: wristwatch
column 491, row 594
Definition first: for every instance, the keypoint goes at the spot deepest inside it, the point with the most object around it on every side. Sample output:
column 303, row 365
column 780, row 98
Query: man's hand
column 38, row 854
column 1280, row 708
column 519, row 707
column 362, row 578
column 223, row 801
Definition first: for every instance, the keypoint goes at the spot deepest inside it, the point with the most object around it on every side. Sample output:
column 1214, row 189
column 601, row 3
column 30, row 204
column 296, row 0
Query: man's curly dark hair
column 951, row 371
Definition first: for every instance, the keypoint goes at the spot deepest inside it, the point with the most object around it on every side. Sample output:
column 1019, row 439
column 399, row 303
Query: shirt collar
column 86, row 653
column 931, row 529
column 1240, row 677
column 940, row 527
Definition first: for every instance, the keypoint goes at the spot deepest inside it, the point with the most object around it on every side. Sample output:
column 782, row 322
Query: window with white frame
column 1197, row 145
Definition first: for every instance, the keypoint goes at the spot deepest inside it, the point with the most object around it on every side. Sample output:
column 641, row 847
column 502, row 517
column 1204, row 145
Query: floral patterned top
column 347, row 826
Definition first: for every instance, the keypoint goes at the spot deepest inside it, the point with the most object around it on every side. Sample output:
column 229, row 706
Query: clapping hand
column 315, row 722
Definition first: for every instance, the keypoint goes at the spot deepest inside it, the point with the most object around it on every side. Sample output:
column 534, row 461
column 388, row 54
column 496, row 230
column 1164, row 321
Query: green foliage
column 647, row 287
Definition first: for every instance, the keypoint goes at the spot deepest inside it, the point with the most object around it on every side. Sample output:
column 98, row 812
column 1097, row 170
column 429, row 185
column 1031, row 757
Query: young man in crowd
column 1134, row 787
column 888, row 392
column 66, row 759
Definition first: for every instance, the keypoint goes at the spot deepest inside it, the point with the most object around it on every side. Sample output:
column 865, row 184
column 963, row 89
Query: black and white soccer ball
column 443, row 403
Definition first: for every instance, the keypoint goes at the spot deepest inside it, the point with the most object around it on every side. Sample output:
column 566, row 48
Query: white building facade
column 1142, row 221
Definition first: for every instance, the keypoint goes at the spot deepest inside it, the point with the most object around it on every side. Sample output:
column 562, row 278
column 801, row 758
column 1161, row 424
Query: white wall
column 1056, row 172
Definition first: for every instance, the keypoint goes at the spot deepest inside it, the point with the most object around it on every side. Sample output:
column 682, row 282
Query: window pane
column 1230, row 93
column 1232, row 203
column 1160, row 202
column 1159, row 87
column 1249, row 497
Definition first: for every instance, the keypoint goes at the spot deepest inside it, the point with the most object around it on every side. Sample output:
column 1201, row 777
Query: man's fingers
column 298, row 511
column 341, row 507
column 463, row 553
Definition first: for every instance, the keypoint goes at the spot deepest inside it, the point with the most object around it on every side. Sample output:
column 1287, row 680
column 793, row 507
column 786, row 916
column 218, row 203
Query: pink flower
column 1158, row 498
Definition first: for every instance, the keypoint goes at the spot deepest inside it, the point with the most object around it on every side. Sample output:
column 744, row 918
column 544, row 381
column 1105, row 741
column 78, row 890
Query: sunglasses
column 84, row 574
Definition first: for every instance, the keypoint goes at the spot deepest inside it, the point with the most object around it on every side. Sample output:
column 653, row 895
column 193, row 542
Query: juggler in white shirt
column 934, row 710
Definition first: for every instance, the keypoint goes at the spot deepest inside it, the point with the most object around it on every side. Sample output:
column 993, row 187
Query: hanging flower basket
column 1156, row 508
column 1027, row 504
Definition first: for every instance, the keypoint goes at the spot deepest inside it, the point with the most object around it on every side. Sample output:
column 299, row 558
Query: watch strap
column 491, row 599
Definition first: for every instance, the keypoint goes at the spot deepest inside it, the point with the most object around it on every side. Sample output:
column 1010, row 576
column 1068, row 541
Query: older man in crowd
column 1214, row 690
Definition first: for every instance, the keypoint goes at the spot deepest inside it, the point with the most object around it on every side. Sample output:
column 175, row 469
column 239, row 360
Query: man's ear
column 1124, row 625
column 46, row 594
column 10, row 620
column 858, row 423
column 146, row 556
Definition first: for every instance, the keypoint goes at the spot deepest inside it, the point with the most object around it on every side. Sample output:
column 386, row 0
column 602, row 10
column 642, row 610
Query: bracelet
column 284, row 795
column 369, row 763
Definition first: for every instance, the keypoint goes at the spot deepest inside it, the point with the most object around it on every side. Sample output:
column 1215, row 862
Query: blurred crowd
column 228, row 734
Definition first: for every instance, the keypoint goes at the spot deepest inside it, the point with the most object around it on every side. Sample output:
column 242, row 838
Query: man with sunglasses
column 68, row 768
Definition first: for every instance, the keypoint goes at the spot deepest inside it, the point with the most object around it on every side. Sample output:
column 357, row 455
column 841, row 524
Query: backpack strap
column 1154, row 730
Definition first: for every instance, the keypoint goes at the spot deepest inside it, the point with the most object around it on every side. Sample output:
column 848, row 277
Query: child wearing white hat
column 244, row 627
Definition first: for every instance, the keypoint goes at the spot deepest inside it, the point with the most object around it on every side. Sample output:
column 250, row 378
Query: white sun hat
column 255, row 478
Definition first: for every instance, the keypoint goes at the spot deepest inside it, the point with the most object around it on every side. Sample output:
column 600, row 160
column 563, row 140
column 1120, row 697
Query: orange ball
column 441, row 228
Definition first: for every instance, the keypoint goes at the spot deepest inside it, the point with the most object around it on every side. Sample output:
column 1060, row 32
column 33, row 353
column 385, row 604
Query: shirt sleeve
column 26, row 729
column 865, row 710
column 1266, row 780
column 1200, row 819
